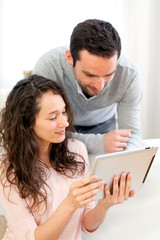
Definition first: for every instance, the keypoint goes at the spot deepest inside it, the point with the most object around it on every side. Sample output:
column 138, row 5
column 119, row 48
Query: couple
column 43, row 169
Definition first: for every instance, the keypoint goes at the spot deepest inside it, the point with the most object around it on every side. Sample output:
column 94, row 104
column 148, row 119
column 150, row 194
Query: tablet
column 137, row 162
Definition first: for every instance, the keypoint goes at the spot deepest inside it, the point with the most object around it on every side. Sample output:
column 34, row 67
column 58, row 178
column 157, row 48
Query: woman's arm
column 22, row 222
column 80, row 194
column 94, row 218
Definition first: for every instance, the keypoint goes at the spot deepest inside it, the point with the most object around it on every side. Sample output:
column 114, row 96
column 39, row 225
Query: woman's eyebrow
column 53, row 112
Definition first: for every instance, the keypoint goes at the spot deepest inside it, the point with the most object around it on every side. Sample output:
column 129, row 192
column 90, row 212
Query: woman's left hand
column 121, row 191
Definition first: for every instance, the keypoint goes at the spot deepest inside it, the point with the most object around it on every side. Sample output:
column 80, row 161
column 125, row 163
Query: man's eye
column 90, row 76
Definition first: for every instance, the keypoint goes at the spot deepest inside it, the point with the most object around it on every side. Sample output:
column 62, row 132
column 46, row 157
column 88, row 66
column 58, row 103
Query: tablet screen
column 137, row 162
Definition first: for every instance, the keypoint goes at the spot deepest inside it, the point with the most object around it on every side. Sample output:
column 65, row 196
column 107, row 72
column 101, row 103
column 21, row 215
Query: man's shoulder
column 125, row 62
column 51, row 62
column 126, row 73
column 55, row 53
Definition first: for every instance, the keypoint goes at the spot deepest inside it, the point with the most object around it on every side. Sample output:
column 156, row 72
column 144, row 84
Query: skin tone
column 50, row 127
column 50, row 123
column 93, row 73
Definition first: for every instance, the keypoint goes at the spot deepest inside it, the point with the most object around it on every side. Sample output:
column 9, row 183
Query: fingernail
column 95, row 176
column 106, row 186
column 102, row 182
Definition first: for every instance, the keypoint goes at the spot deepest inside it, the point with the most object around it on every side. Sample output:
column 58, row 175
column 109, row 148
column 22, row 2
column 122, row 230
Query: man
column 99, row 83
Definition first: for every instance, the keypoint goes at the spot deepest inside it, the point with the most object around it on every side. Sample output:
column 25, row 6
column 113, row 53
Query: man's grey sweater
column 121, row 95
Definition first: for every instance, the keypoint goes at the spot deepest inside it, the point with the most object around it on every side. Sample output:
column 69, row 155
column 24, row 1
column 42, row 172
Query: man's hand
column 116, row 140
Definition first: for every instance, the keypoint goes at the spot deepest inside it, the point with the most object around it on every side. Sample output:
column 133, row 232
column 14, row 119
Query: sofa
column 3, row 225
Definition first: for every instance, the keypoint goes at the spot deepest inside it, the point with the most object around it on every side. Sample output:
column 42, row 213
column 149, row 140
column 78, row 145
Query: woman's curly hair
column 20, row 160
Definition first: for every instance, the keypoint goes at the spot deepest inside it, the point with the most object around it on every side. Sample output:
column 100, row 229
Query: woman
column 45, row 189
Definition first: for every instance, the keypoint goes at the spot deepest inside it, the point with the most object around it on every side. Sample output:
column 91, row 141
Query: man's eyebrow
column 90, row 74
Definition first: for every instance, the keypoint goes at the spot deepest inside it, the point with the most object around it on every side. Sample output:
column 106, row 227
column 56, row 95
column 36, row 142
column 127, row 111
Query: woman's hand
column 121, row 191
column 83, row 192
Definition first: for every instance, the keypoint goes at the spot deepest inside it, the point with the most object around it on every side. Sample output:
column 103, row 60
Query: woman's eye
column 64, row 112
column 53, row 118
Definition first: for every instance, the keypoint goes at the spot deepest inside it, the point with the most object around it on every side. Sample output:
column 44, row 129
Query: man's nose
column 99, row 83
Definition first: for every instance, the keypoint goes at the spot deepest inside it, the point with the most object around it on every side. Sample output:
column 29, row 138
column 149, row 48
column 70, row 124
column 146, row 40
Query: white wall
column 32, row 27
column 29, row 28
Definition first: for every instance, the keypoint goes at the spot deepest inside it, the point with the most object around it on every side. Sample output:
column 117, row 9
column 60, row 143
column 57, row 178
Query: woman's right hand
column 83, row 191
column 121, row 191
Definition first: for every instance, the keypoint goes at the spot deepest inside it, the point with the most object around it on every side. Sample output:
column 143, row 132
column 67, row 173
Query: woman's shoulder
column 77, row 146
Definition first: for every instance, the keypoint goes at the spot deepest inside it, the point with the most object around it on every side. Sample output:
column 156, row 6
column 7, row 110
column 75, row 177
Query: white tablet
column 137, row 162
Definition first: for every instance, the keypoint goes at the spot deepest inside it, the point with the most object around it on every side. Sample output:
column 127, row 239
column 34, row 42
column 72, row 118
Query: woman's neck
column 44, row 155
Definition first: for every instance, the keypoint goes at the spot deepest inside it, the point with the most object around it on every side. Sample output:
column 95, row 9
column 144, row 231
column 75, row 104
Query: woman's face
column 51, row 121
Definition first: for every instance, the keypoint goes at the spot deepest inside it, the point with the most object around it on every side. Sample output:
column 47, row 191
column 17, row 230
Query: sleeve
column 128, row 111
column 91, row 205
column 93, row 142
column 21, row 222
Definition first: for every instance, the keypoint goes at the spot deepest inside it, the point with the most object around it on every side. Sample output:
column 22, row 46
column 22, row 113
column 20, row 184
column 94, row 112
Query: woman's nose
column 64, row 121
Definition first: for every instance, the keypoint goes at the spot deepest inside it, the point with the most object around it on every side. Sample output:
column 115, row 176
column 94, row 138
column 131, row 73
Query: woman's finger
column 132, row 193
column 128, row 186
column 115, row 187
column 122, row 187
column 84, row 181
column 107, row 192
column 88, row 188
column 89, row 194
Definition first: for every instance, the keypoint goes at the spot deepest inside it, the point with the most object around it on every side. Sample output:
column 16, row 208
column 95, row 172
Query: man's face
column 93, row 72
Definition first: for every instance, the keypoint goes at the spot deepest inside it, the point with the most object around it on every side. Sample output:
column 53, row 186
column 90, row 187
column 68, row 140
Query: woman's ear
column 69, row 58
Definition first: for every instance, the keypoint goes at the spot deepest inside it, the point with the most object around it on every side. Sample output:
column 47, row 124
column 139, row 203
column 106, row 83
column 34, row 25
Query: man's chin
column 93, row 93
column 90, row 92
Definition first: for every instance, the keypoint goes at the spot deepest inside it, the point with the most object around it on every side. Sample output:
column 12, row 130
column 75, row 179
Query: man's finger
column 121, row 144
column 125, row 132
column 123, row 139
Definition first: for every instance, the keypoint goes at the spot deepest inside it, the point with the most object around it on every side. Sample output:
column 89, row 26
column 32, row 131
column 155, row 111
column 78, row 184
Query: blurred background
column 29, row 28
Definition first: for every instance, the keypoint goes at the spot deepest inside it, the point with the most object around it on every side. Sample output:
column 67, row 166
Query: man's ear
column 69, row 58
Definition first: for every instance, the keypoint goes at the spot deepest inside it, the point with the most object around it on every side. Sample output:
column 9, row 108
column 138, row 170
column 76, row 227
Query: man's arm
column 128, row 112
column 116, row 140
column 93, row 142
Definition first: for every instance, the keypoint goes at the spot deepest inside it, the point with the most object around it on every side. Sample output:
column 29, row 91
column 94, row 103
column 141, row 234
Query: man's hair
column 97, row 37
column 22, row 165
